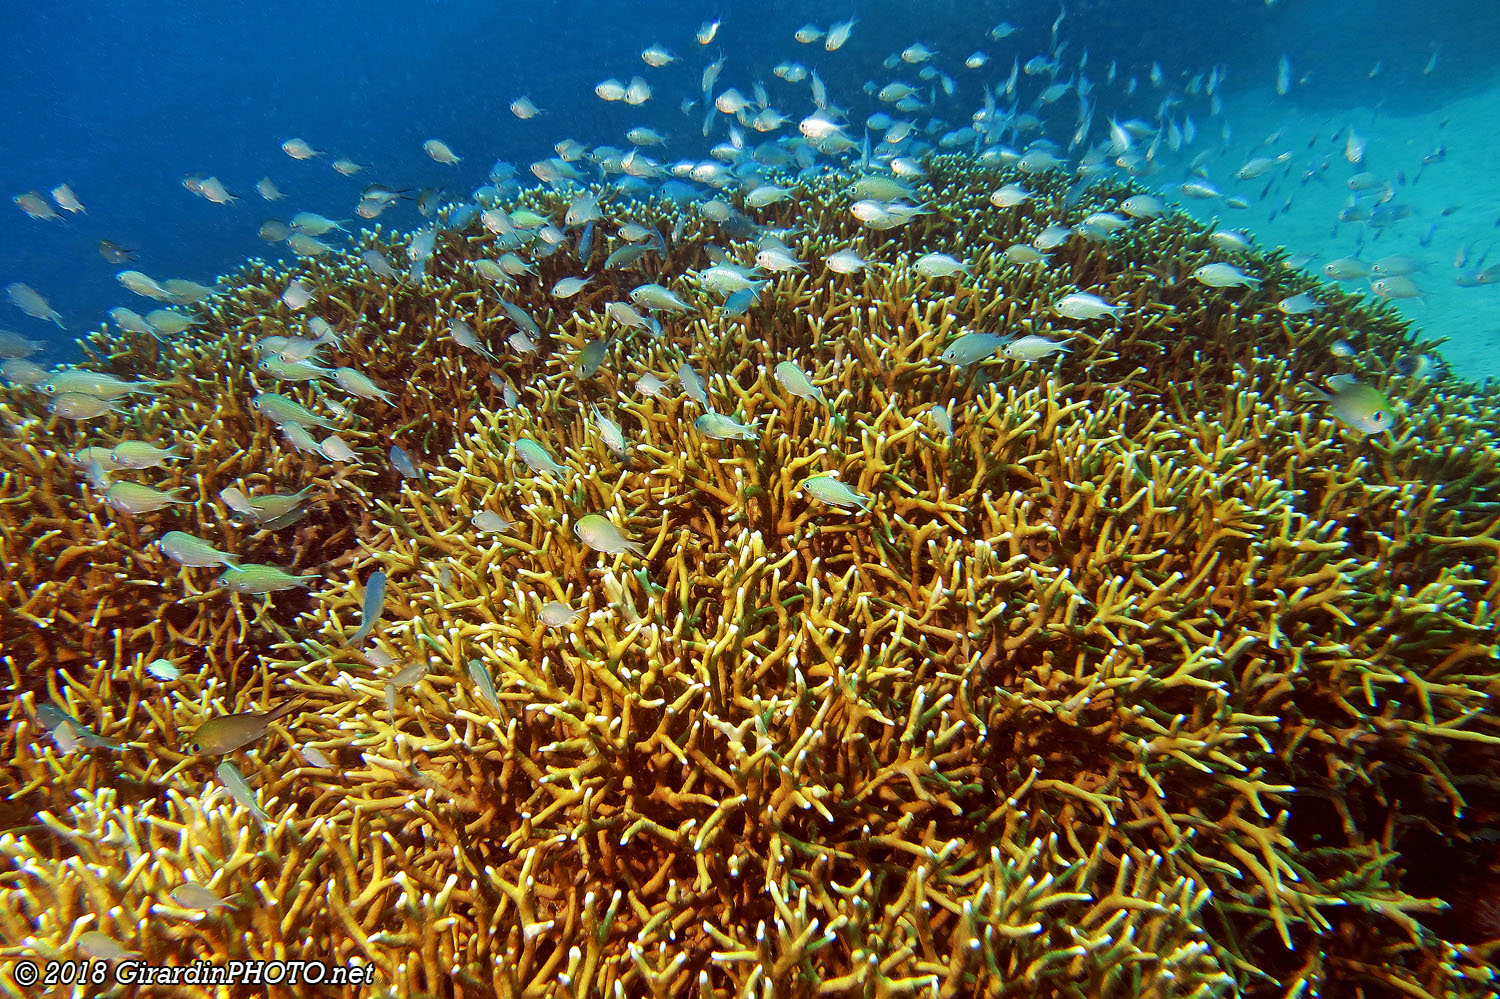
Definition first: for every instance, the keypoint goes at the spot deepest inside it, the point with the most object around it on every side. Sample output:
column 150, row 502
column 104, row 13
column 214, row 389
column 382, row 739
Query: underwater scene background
column 682, row 499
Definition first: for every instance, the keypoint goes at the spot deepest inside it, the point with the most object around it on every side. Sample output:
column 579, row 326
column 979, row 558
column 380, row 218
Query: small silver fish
column 1224, row 276
column 402, row 463
column 611, row 433
column 795, row 381
column 273, row 511
column 1085, row 305
column 484, row 682
column 971, row 348
column 591, row 357
column 692, row 384
column 239, row 790
column 73, row 731
column 139, row 454
column 133, row 498
column 521, row 318
column 377, row 657
column 301, row 439
column 357, row 383
column 80, row 406
column 537, row 458
column 100, row 945
column 19, row 371
column 439, row 151
column 845, row 262
column 297, row 295
column 195, row 896
column 374, row 602
column 95, row 383
column 335, row 449
column 186, row 549
column 377, row 262
column 280, row 409
column 463, row 334
column 489, row 521
column 256, row 578
column 409, row 675
column 739, row 303
column 1362, row 407
column 658, row 298
column 299, row 149
column 36, row 206
column 558, row 615
column 778, row 259
column 1032, row 347
column 601, row 535
column 1010, row 196
column 721, row 427
column 67, row 200
column 1299, row 305
column 833, row 492
column 942, row 419
column 16, row 345
column 1346, row 269
column 939, row 265
column 1396, row 286
column 31, row 302
column 1142, row 206
column 163, row 669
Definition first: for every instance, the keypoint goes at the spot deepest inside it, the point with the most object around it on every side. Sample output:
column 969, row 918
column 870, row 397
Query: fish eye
column 1380, row 417
column 49, row 390
column 192, row 748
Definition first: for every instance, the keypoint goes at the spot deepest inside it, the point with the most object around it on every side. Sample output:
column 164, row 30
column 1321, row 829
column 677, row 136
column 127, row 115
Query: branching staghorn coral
column 1138, row 683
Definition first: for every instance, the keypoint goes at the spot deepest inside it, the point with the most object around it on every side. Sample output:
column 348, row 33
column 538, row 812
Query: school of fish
column 739, row 150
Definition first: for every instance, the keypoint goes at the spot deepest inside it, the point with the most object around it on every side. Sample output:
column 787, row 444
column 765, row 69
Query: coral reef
column 1144, row 678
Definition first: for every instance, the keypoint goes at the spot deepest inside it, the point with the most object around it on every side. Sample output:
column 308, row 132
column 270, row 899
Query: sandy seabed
column 1454, row 212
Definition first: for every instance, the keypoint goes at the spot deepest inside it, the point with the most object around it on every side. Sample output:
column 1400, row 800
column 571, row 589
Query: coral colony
column 787, row 644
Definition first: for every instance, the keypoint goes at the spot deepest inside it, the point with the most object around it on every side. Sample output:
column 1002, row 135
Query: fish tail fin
column 1317, row 391
column 283, row 710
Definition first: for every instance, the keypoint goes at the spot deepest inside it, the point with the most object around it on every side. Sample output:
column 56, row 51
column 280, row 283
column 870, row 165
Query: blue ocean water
column 120, row 100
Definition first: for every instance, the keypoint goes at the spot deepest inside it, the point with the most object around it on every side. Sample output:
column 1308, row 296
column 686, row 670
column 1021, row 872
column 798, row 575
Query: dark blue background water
column 121, row 98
